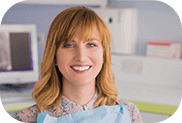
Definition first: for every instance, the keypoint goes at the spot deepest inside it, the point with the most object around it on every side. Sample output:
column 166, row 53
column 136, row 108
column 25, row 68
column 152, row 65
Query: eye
column 68, row 46
column 91, row 45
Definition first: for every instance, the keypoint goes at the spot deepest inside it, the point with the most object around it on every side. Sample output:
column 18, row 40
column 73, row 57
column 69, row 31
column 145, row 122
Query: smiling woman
column 76, row 82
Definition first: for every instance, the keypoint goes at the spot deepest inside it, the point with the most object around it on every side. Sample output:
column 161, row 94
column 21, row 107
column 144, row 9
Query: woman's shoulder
column 28, row 114
column 125, row 103
column 132, row 110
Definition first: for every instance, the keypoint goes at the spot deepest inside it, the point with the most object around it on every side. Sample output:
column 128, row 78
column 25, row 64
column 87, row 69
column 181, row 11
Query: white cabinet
column 123, row 25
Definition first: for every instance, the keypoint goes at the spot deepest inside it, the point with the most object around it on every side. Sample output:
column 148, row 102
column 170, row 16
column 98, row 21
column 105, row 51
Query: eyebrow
column 90, row 39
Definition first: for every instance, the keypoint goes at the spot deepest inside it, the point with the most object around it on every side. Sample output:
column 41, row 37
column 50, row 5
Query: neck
column 79, row 94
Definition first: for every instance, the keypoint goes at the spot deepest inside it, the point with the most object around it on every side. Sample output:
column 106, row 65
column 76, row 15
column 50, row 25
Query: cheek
column 62, row 63
column 63, row 59
column 99, row 57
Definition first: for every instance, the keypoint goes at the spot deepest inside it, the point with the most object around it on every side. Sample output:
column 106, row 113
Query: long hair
column 47, row 91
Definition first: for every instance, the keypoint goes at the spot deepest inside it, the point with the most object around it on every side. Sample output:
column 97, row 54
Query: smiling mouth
column 81, row 68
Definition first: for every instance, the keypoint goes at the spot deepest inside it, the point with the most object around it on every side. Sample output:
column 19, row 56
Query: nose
column 80, row 54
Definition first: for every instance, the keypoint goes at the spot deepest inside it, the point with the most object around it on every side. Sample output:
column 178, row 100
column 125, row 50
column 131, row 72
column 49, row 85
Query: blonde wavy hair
column 47, row 91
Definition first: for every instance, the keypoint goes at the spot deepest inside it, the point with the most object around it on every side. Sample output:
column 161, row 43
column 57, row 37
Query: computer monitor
column 18, row 54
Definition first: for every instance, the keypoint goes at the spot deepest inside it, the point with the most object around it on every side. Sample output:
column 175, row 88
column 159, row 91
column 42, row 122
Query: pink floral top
column 29, row 115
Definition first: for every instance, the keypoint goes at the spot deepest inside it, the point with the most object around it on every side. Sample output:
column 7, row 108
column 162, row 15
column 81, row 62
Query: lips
column 82, row 71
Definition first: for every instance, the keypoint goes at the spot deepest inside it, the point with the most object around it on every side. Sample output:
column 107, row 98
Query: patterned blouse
column 29, row 115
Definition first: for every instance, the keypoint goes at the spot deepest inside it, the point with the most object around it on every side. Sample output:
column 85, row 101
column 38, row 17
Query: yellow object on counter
column 155, row 108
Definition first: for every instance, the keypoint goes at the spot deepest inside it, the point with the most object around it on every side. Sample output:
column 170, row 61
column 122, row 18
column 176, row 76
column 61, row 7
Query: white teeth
column 80, row 68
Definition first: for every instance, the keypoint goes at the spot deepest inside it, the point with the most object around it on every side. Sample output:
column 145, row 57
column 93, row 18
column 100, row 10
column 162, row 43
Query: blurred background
column 146, row 52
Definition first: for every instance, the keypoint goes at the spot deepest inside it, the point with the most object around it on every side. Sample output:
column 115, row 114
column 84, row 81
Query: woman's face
column 79, row 62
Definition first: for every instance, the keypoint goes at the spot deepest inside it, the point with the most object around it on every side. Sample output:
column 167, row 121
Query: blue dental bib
column 102, row 114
